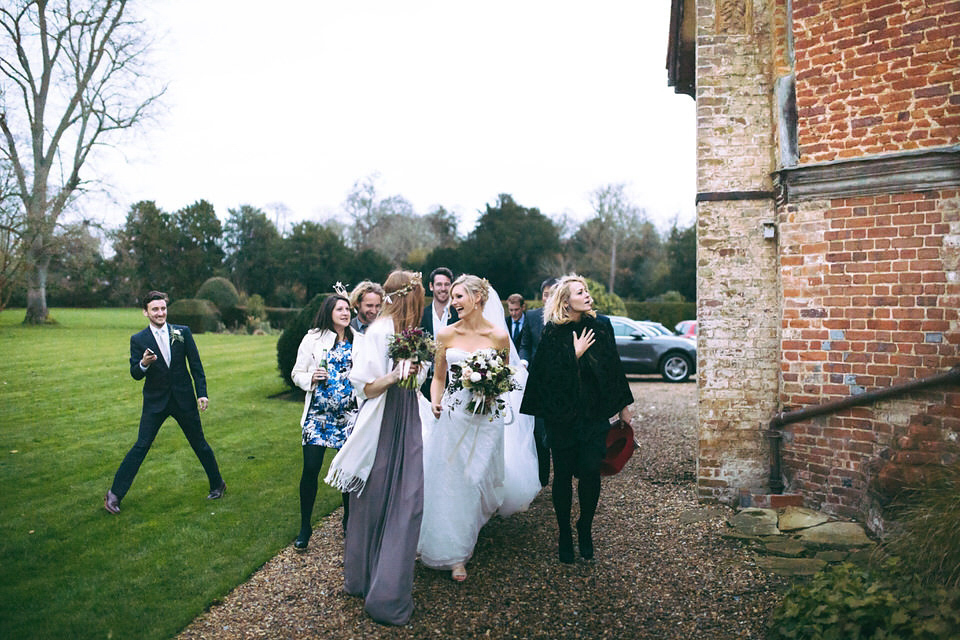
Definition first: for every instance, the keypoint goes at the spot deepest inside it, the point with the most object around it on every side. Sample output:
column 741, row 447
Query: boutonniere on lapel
column 176, row 335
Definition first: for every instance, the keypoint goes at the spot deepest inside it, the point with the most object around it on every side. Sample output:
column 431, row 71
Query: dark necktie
column 516, row 331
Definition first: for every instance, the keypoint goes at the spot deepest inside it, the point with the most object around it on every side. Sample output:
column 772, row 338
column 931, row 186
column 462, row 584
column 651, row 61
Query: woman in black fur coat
column 576, row 385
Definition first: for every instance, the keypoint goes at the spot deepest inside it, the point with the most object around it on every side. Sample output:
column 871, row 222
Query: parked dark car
column 643, row 350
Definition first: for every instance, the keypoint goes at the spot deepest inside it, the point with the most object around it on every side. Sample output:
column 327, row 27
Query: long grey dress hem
column 380, row 549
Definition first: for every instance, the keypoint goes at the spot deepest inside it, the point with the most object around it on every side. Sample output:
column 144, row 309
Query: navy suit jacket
column 163, row 383
column 525, row 341
column 535, row 322
column 426, row 321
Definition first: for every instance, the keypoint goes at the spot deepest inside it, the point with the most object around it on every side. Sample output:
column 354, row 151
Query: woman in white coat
column 324, row 360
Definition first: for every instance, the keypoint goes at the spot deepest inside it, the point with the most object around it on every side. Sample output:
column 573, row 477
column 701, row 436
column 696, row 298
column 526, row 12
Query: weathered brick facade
column 871, row 289
column 876, row 76
column 836, row 125
column 737, row 299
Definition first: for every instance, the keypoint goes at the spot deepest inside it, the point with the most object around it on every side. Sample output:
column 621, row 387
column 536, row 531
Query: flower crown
column 415, row 281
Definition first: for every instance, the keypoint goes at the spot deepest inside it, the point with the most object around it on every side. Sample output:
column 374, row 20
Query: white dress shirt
column 163, row 341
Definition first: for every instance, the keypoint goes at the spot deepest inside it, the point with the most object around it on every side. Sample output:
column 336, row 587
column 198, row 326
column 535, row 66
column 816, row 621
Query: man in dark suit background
column 159, row 355
column 535, row 320
column 535, row 316
column 438, row 313
column 518, row 326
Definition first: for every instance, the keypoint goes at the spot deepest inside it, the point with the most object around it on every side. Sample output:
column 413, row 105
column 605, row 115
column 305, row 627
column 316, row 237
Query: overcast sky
column 450, row 102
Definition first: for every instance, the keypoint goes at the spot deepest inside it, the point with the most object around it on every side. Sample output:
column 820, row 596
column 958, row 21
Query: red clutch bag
column 620, row 445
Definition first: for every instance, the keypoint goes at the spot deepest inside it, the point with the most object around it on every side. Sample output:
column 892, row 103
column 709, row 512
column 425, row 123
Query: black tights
column 582, row 460
column 588, row 492
column 312, row 463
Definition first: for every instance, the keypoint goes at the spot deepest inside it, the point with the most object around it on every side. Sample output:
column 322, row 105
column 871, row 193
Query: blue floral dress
column 333, row 408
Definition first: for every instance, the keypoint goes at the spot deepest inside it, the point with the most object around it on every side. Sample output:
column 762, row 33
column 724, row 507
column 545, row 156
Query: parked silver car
column 657, row 327
column 643, row 350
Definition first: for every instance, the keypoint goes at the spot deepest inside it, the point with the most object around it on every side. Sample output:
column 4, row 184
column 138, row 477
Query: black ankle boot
column 303, row 539
column 566, row 547
column 585, row 542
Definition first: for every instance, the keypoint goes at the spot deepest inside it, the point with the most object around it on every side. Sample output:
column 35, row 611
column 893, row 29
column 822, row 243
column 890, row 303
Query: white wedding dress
column 473, row 468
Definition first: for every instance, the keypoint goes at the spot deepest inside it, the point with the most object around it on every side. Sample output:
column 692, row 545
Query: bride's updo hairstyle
column 557, row 309
column 403, row 299
column 477, row 288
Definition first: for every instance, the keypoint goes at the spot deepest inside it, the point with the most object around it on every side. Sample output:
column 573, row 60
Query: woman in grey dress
column 381, row 463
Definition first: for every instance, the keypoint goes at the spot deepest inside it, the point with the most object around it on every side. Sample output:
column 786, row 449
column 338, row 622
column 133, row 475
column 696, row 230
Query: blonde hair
column 363, row 289
column 403, row 299
column 557, row 309
column 476, row 287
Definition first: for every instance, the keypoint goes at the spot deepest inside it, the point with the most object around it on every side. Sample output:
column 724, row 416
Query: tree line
column 512, row 245
column 73, row 77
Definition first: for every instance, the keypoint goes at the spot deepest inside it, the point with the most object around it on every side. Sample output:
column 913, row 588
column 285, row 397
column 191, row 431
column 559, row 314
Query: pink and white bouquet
column 487, row 376
column 408, row 347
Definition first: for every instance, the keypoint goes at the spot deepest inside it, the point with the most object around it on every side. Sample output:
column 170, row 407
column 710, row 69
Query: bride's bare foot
column 459, row 573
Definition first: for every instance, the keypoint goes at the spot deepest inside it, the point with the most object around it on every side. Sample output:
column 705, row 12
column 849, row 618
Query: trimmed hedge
column 200, row 315
column 224, row 295
column 281, row 317
column 666, row 313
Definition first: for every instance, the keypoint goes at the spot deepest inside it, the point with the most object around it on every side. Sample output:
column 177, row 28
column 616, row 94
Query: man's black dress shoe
column 216, row 494
column 111, row 502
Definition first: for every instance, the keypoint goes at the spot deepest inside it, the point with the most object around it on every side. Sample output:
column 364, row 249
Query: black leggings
column 583, row 461
column 312, row 463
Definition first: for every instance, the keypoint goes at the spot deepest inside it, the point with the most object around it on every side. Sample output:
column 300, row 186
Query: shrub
column 928, row 521
column 666, row 313
column 280, row 317
column 200, row 315
column 292, row 334
column 609, row 304
column 845, row 601
column 256, row 308
column 223, row 294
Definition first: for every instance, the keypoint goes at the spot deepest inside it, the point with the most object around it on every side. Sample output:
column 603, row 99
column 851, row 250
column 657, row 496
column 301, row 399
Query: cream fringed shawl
column 350, row 468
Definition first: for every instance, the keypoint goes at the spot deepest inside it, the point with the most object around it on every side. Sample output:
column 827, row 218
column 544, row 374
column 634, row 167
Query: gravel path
column 653, row 576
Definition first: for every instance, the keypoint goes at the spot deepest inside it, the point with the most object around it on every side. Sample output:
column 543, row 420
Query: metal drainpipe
column 775, row 433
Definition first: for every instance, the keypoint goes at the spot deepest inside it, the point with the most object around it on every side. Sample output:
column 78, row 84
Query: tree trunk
column 37, row 312
column 613, row 262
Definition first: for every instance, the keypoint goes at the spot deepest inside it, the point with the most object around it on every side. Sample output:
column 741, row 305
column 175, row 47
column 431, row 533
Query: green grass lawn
column 68, row 414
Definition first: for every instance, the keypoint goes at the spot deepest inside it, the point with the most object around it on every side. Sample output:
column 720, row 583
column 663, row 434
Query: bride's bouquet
column 487, row 376
column 408, row 347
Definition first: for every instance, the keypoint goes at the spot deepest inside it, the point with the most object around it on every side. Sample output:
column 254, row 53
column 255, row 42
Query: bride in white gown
column 474, row 465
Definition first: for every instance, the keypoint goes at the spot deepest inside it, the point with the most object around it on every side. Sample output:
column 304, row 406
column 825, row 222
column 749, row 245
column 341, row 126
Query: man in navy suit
column 535, row 320
column 438, row 314
column 518, row 326
column 159, row 355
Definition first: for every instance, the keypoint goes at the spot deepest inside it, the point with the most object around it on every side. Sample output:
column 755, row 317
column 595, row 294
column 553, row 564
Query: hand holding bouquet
column 408, row 347
column 487, row 377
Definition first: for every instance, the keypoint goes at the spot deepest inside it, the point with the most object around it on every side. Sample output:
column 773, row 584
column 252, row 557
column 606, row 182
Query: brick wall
column 855, row 294
column 876, row 76
column 737, row 292
column 871, row 292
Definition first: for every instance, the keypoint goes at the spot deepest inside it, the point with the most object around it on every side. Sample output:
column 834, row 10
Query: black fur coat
column 569, row 395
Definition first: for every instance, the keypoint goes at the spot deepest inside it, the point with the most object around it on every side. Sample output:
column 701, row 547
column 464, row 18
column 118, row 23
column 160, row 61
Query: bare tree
column 73, row 75
column 390, row 225
column 362, row 210
column 11, row 236
column 617, row 219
